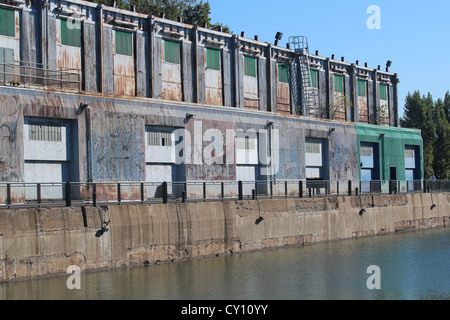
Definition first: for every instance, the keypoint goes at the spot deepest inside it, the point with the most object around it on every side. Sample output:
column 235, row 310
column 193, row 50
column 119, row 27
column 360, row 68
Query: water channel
column 412, row 265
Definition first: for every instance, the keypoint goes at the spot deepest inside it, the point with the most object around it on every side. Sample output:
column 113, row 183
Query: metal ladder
column 300, row 46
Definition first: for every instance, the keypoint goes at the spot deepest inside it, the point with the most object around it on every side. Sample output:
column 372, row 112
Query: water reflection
column 413, row 266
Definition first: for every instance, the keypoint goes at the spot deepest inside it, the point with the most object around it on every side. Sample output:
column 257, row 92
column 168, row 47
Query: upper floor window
column 362, row 88
column 44, row 132
column 124, row 43
column 71, row 33
column 212, row 59
column 338, row 83
column 7, row 25
column 383, row 92
column 283, row 73
column 313, row 78
column 172, row 52
column 249, row 66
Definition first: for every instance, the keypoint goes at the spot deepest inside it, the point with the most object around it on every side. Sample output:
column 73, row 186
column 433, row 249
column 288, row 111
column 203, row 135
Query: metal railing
column 116, row 193
column 23, row 73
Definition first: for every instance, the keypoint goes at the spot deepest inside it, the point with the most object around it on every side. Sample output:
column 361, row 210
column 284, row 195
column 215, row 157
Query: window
column 172, row 52
column 366, row 151
column 162, row 138
column 362, row 88
column 71, row 33
column 313, row 147
column 124, row 43
column 383, row 92
column 44, row 132
column 7, row 26
column 338, row 83
column 6, row 60
column 250, row 66
column 283, row 73
column 212, row 59
column 313, row 78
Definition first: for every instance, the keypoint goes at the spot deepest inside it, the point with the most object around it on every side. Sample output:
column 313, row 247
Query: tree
column 432, row 119
column 447, row 105
column 441, row 163
column 191, row 11
column 419, row 115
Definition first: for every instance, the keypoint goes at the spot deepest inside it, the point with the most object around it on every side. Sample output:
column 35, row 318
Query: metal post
column 68, row 195
column 142, row 193
column 256, row 190
column 204, row 191
column 285, row 189
column 300, row 189
column 337, row 187
column 118, row 193
column 240, row 190
column 222, row 190
column 94, row 195
column 164, row 191
column 253, row 194
column 271, row 188
column 8, row 194
column 183, row 196
column 39, row 193
column 349, row 187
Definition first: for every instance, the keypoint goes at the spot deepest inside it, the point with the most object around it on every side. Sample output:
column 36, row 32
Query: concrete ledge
column 44, row 242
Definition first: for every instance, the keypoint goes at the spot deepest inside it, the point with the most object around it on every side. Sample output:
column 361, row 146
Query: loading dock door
column 369, row 167
column 314, row 159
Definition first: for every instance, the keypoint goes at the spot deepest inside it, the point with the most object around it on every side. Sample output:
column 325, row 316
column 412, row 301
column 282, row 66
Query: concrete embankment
column 45, row 241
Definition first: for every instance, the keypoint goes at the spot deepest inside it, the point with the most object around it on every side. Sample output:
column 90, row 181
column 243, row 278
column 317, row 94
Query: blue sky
column 414, row 35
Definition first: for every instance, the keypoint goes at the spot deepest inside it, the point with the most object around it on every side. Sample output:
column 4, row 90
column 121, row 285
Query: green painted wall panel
column 392, row 142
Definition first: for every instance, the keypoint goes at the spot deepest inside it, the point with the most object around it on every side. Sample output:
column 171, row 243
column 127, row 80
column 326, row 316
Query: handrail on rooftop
column 39, row 74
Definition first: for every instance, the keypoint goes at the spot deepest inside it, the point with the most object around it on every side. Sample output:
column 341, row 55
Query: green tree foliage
column 192, row 12
column 431, row 117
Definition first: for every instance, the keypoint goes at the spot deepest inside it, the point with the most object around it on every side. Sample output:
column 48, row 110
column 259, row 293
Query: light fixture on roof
column 278, row 37
column 189, row 116
column 388, row 64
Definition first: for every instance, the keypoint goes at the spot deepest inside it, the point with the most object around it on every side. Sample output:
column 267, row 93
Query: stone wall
column 38, row 242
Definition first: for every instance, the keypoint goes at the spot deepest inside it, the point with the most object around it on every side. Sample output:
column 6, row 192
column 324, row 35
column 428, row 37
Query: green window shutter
column 362, row 88
column 283, row 73
column 313, row 78
column 7, row 25
column 71, row 33
column 212, row 59
column 338, row 83
column 250, row 66
column 383, row 92
column 172, row 52
column 124, row 43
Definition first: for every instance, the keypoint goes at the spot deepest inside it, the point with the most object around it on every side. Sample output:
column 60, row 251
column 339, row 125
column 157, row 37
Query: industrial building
column 91, row 93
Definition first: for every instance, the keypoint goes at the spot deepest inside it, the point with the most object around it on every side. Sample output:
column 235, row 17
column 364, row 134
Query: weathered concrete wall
column 43, row 242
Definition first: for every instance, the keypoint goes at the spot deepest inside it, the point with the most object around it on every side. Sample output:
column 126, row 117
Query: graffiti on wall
column 117, row 147
column 9, row 164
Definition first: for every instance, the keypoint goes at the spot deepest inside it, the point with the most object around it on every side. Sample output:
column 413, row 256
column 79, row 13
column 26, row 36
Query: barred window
column 159, row 138
column 409, row 153
column 312, row 147
column 39, row 132
column 246, row 143
column 366, row 151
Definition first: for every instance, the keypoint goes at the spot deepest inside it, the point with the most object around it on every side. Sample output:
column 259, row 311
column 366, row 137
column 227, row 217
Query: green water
column 413, row 265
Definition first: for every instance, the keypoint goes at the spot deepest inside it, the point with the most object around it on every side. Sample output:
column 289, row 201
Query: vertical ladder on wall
column 309, row 105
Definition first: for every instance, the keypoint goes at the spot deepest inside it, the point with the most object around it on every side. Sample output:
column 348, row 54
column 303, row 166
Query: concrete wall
column 43, row 242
